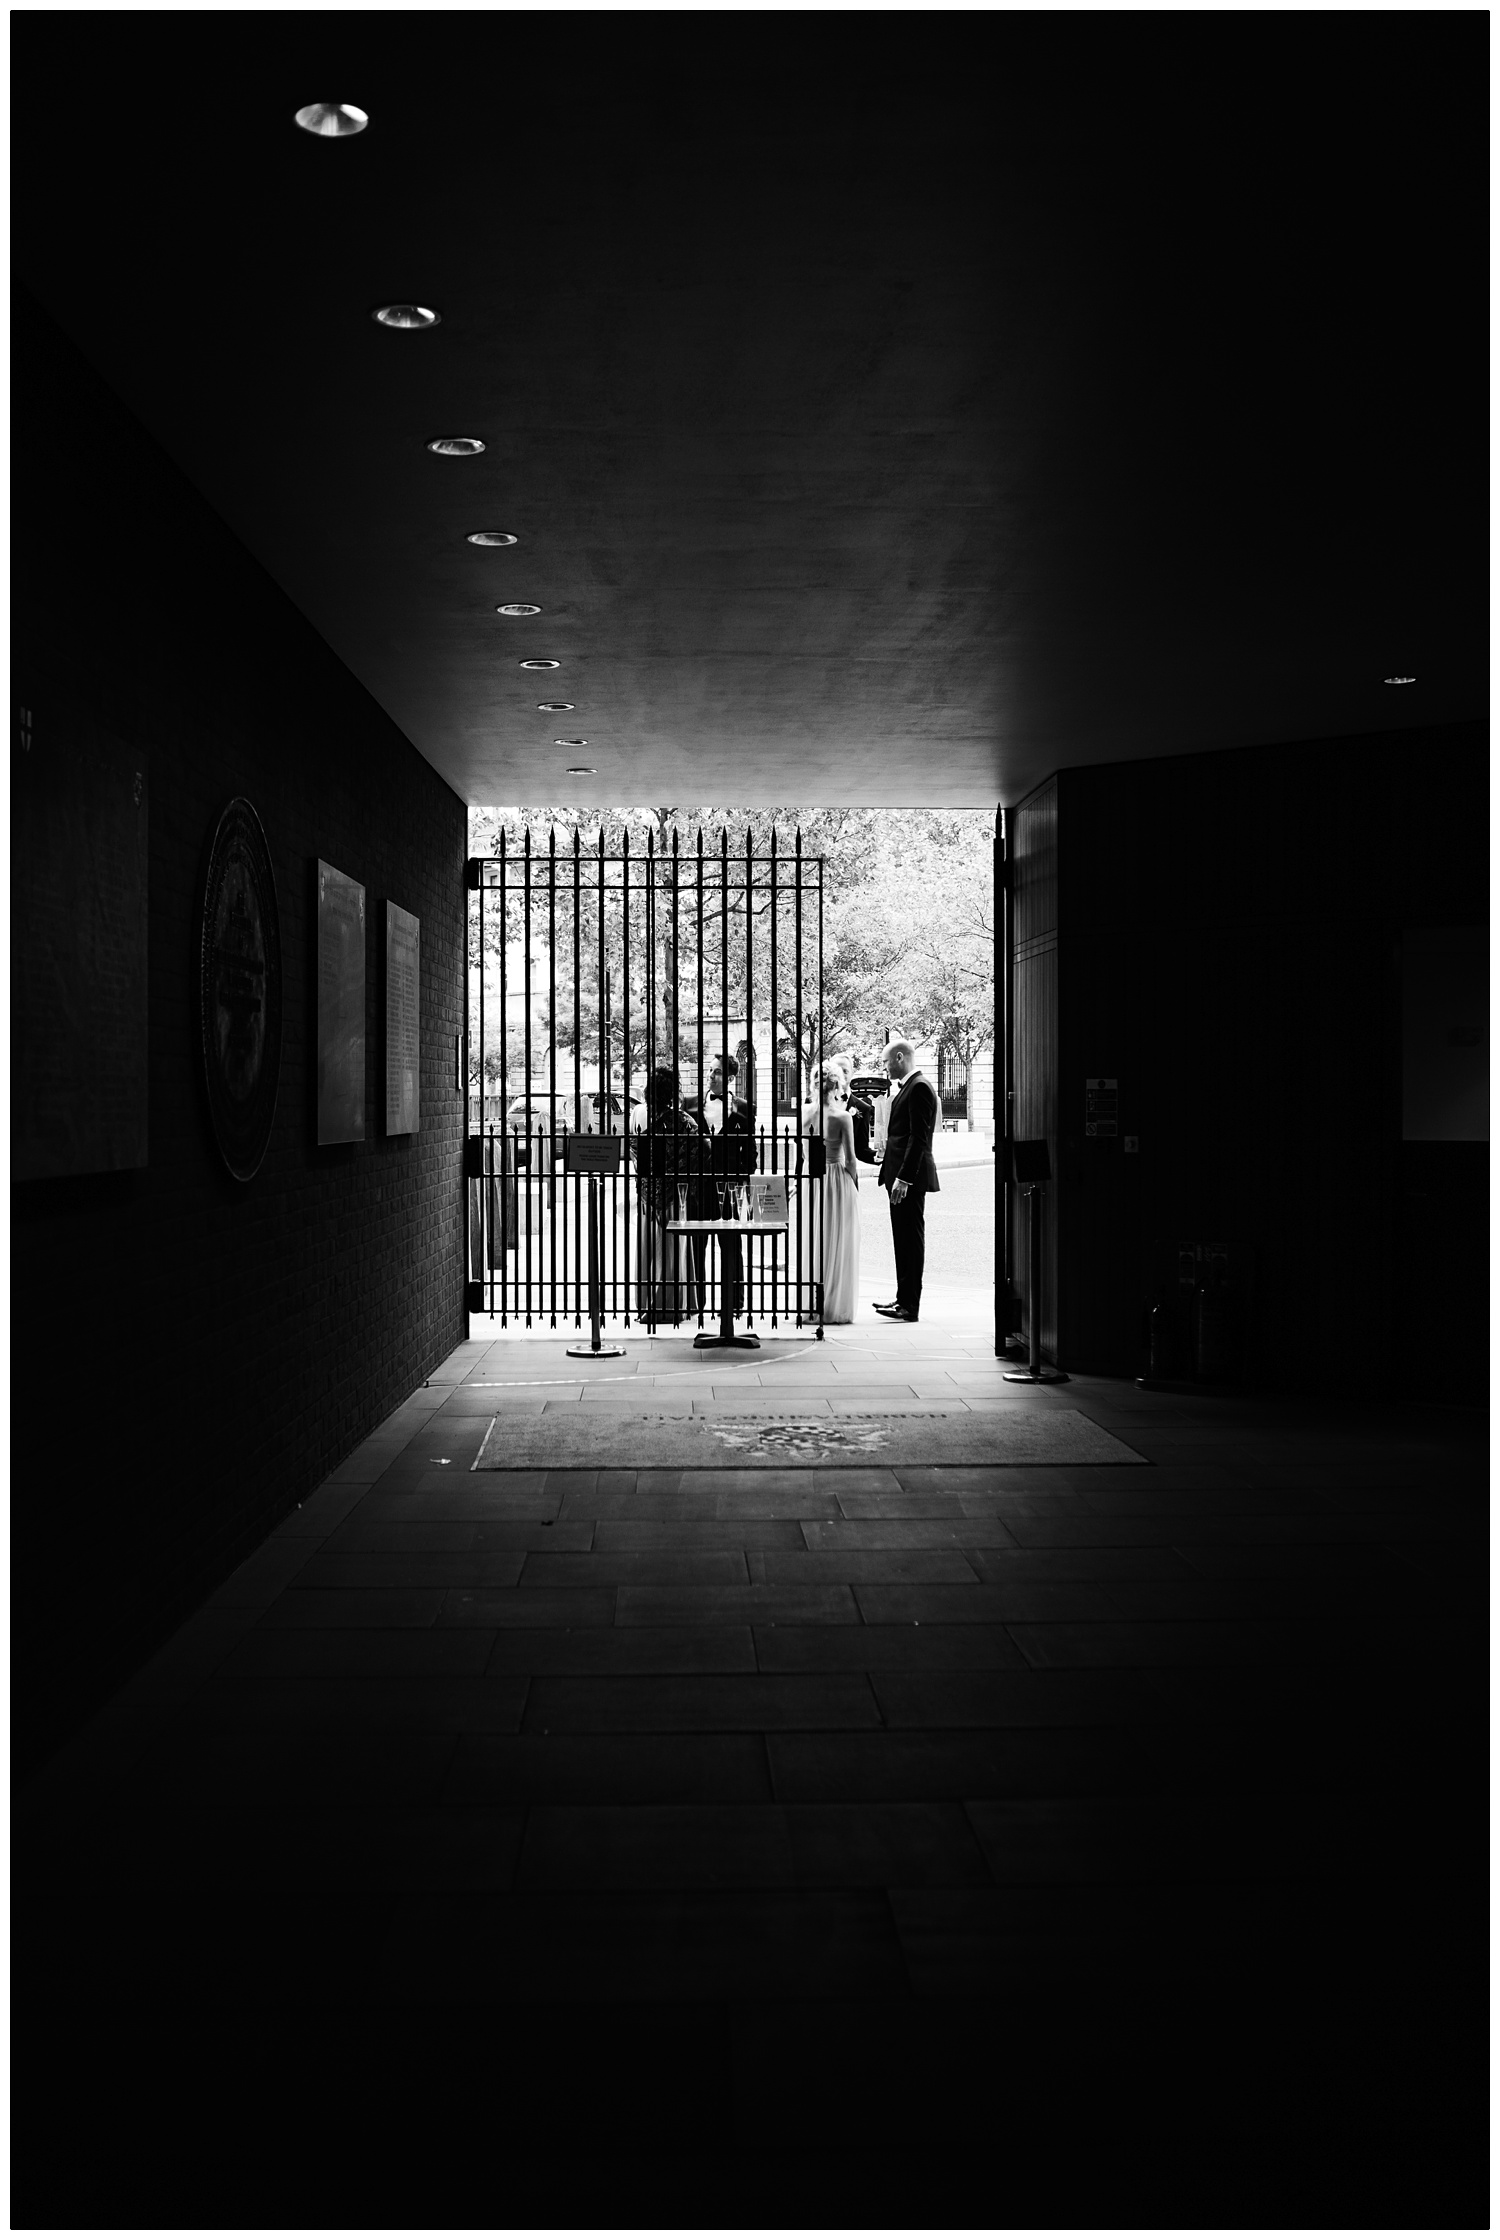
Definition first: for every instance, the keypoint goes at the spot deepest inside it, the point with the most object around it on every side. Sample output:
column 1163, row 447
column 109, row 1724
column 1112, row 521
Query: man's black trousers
column 909, row 1235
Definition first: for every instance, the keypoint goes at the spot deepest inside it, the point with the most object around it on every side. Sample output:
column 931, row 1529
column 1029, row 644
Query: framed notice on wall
column 341, row 1007
column 79, row 807
column 239, row 990
column 403, row 1022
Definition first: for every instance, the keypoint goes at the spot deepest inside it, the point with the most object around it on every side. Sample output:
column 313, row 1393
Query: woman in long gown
column 840, row 1201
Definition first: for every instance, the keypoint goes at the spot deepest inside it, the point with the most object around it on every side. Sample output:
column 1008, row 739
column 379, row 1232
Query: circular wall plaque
column 239, row 989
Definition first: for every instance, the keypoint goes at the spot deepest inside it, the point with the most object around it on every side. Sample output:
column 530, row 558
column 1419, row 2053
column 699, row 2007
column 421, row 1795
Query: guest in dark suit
column 667, row 1159
column 723, row 1113
column 908, row 1170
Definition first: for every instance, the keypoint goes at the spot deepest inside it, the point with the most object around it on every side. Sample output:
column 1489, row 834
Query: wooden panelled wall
column 1222, row 934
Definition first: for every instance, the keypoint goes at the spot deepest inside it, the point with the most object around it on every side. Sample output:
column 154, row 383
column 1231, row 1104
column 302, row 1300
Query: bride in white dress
column 840, row 1201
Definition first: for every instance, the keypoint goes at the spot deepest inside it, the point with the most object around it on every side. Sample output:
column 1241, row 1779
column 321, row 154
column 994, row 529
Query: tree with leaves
column 908, row 937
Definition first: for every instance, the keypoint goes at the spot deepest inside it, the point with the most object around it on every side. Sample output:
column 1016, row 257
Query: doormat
column 585, row 1438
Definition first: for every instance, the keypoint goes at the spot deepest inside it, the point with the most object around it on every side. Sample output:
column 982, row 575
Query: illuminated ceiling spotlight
column 541, row 664
column 456, row 447
column 570, row 742
column 1400, row 680
column 581, row 770
column 489, row 536
column 332, row 120
column 516, row 606
column 555, row 707
column 412, row 316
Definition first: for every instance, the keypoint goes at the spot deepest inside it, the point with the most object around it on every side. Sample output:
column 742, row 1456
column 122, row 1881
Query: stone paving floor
column 1030, row 1846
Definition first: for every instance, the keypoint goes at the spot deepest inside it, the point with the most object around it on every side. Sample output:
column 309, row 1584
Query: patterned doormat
column 580, row 1437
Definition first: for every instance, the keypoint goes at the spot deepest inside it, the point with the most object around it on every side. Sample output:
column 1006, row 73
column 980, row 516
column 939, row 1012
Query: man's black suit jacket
column 908, row 1136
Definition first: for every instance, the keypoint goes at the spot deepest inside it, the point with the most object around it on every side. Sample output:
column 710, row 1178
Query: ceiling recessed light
column 555, row 707
column 517, row 606
column 410, row 315
column 332, row 120
column 455, row 447
column 541, row 664
column 570, row 742
column 581, row 770
column 490, row 536
column 1400, row 680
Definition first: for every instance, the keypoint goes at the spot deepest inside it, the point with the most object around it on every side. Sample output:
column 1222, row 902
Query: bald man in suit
column 908, row 1170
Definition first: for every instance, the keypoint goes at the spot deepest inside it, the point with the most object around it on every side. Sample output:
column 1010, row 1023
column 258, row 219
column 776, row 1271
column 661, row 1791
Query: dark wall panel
column 1229, row 946
column 1033, row 829
column 190, row 1354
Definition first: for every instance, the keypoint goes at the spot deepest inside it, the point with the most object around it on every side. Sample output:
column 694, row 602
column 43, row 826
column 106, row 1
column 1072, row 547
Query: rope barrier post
column 593, row 1156
column 1033, row 1170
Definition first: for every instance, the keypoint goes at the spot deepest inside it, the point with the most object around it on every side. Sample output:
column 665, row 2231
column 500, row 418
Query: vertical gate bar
column 604, row 1089
column 699, row 905
column 750, row 1045
column 484, row 1257
column 775, row 1061
column 699, row 936
column 463, row 1078
column 726, row 1202
column 676, row 1055
column 578, row 1127
column 820, row 1181
column 625, row 1098
column 1000, row 1097
column 797, row 1018
column 724, row 956
column 507, row 1166
column 549, row 1165
column 644, row 1194
column 526, row 1029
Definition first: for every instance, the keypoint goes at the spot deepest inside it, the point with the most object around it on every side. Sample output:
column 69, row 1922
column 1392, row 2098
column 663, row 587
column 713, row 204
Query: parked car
column 539, row 1113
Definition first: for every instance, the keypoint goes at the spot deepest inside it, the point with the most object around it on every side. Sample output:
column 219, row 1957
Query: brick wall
column 190, row 1355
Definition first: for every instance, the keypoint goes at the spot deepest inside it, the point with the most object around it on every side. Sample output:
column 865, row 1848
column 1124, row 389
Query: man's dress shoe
column 892, row 1313
column 886, row 1306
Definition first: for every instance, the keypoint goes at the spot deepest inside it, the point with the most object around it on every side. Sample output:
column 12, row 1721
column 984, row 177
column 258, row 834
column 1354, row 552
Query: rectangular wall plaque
column 1103, row 1105
column 78, row 927
column 403, row 1022
column 341, row 1007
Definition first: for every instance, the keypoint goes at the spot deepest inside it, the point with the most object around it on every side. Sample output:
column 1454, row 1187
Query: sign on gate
column 591, row 1155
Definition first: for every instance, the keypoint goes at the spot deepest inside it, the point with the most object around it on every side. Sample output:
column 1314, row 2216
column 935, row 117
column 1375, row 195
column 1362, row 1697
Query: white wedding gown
column 840, row 1220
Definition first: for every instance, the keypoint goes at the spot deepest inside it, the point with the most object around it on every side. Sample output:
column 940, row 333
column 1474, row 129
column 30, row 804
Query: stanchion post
column 1033, row 1170
column 593, row 1156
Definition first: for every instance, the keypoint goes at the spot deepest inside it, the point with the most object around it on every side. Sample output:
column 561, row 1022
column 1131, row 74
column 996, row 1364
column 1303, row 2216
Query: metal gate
column 589, row 971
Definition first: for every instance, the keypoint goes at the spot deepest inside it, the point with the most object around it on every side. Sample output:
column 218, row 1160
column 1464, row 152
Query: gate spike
column 577, row 840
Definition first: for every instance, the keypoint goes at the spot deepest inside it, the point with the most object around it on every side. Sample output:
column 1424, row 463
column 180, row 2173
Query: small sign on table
column 768, row 1198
